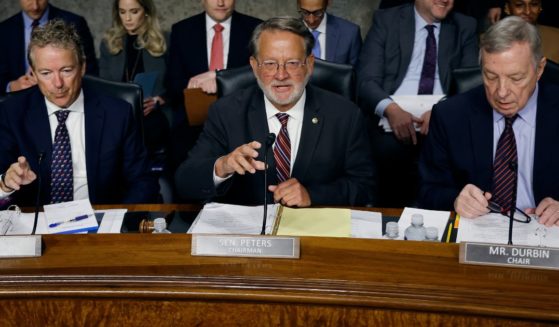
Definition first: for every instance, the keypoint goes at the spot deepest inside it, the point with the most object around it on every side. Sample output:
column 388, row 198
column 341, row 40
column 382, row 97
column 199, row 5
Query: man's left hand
column 205, row 81
column 291, row 193
column 547, row 211
column 151, row 104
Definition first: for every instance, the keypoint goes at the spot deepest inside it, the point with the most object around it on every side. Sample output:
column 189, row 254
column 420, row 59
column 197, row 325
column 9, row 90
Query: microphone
column 269, row 141
column 38, row 199
column 513, row 165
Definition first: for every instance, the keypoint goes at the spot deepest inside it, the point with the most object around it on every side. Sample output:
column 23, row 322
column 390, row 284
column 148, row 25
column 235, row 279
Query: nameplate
column 509, row 255
column 20, row 246
column 245, row 246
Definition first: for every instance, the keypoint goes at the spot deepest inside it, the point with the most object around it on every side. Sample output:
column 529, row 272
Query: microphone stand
column 513, row 166
column 38, row 200
column 269, row 141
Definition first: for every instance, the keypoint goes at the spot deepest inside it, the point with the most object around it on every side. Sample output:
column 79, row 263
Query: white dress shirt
column 322, row 36
column 226, row 34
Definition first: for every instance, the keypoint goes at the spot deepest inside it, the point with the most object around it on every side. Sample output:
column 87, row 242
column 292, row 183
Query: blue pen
column 78, row 218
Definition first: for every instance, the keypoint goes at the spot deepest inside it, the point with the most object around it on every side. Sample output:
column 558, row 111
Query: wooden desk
column 151, row 280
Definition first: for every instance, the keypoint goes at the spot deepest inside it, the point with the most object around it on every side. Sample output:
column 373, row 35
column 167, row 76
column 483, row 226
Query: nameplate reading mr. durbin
column 509, row 255
column 245, row 246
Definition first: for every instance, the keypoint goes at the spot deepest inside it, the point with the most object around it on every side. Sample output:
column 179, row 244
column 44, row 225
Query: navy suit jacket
column 13, row 54
column 343, row 41
column 459, row 148
column 388, row 47
column 117, row 168
column 333, row 160
column 188, row 52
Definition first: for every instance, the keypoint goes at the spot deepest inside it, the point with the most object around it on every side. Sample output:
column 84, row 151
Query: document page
column 70, row 217
column 494, row 228
column 112, row 221
column 414, row 104
column 366, row 224
column 23, row 224
column 315, row 222
column 220, row 218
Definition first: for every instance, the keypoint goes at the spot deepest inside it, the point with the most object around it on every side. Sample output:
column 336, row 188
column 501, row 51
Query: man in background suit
column 82, row 144
column 500, row 139
column 392, row 62
column 321, row 153
column 338, row 39
column 16, row 31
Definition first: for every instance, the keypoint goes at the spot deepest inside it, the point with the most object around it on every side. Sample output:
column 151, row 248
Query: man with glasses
column 321, row 154
column 336, row 39
column 495, row 147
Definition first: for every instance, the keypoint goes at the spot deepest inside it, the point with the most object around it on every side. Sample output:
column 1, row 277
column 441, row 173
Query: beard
column 291, row 99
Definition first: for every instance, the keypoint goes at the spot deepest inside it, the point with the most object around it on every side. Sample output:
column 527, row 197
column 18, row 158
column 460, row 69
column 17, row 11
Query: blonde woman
column 135, row 44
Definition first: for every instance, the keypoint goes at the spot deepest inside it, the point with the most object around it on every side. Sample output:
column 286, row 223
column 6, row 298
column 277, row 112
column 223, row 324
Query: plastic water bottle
column 160, row 226
column 432, row 234
column 416, row 231
column 392, row 230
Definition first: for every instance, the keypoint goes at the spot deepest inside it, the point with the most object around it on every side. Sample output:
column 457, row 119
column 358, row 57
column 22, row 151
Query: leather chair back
column 334, row 77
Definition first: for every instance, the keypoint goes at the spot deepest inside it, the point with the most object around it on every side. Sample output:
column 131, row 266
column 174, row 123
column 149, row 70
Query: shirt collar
column 77, row 106
column 296, row 112
column 27, row 21
column 210, row 23
column 421, row 23
column 528, row 113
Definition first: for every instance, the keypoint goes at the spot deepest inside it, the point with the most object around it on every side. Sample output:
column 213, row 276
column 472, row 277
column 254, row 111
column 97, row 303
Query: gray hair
column 508, row 31
column 288, row 24
column 58, row 34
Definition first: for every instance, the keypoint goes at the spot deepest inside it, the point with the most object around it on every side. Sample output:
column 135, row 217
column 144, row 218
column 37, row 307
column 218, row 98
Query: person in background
column 336, row 39
column 321, row 154
column 83, row 145
column 134, row 44
column 16, row 33
column 498, row 140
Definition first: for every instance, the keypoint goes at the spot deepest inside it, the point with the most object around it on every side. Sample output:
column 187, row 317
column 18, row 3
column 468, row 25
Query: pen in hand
column 78, row 218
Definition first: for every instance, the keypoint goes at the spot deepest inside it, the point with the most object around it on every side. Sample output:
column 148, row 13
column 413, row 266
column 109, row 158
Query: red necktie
column 216, row 60
column 504, row 176
column 282, row 150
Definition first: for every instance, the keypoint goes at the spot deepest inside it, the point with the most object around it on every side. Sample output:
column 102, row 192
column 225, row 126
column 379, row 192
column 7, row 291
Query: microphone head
column 270, row 139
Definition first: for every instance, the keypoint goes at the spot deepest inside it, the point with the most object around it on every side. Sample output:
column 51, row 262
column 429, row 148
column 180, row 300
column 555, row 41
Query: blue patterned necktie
column 504, row 176
column 282, row 150
column 427, row 81
column 316, row 48
column 62, row 173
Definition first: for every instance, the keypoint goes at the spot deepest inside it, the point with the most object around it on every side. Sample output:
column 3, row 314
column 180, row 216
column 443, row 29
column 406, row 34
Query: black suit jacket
column 333, row 161
column 13, row 54
column 188, row 53
column 459, row 148
column 117, row 168
column 388, row 47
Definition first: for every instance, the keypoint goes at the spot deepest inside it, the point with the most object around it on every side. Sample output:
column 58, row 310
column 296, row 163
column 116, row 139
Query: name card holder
column 509, row 255
column 20, row 246
column 261, row 246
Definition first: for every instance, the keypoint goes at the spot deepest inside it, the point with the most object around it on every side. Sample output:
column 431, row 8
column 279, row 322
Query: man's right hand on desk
column 18, row 174
column 241, row 160
column 402, row 123
column 472, row 202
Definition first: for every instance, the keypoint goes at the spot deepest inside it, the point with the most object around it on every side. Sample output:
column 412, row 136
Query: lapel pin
column 315, row 120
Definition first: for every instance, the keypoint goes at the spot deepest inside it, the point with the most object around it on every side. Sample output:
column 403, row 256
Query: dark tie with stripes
column 282, row 150
column 504, row 174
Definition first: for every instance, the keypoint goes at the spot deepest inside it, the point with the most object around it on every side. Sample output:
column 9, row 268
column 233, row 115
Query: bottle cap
column 159, row 224
column 417, row 219
column 432, row 233
column 392, row 229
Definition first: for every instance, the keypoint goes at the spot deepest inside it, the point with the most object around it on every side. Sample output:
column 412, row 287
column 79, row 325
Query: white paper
column 220, row 218
column 494, row 228
column 366, row 224
column 112, row 221
column 23, row 225
column 416, row 105
column 64, row 212
column 431, row 218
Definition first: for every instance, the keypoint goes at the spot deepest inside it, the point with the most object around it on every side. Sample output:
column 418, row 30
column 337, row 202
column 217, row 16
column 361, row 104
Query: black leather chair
column 327, row 75
column 464, row 79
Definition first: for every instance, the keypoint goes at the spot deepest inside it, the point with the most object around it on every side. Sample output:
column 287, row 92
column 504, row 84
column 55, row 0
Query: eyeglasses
column 291, row 66
column 317, row 13
column 518, row 216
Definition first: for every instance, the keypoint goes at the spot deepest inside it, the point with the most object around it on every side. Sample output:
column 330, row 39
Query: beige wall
column 98, row 12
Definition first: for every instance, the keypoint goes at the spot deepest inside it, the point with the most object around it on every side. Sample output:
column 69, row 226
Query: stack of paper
column 70, row 217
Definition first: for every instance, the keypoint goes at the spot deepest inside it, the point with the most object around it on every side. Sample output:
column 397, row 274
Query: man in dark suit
column 338, row 39
column 500, row 139
column 83, row 145
column 16, row 31
column 395, row 61
column 321, row 151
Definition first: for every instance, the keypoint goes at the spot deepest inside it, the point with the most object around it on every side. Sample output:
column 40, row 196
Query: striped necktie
column 282, row 150
column 504, row 175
